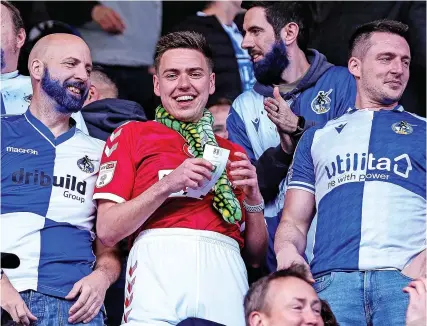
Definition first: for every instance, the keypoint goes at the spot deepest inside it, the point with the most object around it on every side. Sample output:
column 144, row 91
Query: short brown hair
column 183, row 40
column 359, row 41
column 255, row 297
column 18, row 23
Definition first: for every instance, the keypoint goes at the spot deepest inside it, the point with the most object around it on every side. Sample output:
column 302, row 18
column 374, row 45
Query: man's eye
column 70, row 64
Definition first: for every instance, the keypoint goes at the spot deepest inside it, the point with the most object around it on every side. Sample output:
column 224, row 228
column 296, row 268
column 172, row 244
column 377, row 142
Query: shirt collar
column 45, row 131
column 9, row 75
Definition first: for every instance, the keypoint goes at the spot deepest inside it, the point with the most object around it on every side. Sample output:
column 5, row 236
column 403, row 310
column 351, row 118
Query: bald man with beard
column 49, row 169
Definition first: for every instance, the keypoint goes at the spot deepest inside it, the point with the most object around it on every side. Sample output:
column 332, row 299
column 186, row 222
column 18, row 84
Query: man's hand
column 92, row 290
column 244, row 175
column 109, row 20
column 12, row 302
column 280, row 113
column 416, row 313
column 289, row 256
column 190, row 174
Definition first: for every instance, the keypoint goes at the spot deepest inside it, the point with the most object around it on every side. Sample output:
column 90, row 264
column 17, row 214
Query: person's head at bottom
column 184, row 78
column 284, row 297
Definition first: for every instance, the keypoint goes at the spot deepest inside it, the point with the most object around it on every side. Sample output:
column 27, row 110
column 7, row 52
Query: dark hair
column 18, row 23
column 281, row 13
column 328, row 316
column 255, row 297
column 359, row 41
column 183, row 40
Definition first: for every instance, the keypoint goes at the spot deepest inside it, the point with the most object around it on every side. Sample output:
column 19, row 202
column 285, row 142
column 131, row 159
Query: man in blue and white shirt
column 15, row 89
column 364, row 175
column 49, row 168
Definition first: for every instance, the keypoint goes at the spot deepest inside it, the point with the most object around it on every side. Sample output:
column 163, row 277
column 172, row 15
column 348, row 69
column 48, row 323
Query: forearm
column 256, row 239
column 109, row 264
column 289, row 237
column 121, row 220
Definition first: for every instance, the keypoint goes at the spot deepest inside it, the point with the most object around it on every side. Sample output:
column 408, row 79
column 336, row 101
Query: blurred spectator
column 364, row 176
column 220, row 111
column 16, row 90
column 101, row 86
column 296, row 88
column 147, row 196
column 335, row 21
column 49, row 170
column 284, row 297
column 232, row 64
column 122, row 36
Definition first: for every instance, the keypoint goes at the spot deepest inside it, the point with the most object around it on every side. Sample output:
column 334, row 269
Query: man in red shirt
column 186, row 256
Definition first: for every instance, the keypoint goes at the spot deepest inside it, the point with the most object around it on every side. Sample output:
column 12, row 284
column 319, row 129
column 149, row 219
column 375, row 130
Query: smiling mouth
column 185, row 98
column 74, row 90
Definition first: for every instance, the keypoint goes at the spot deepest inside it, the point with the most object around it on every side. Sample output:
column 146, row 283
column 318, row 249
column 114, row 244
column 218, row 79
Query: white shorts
column 173, row 274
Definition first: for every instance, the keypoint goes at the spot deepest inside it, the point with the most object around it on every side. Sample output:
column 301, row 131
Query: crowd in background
column 263, row 103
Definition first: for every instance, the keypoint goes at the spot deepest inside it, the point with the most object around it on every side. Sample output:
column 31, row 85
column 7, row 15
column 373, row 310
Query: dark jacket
column 227, row 76
column 104, row 116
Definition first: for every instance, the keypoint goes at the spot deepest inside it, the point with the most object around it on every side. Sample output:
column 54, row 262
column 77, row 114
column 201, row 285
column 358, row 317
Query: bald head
column 60, row 67
column 57, row 45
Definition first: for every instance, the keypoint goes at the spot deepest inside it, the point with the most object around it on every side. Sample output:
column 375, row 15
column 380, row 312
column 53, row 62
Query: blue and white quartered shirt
column 47, row 212
column 367, row 170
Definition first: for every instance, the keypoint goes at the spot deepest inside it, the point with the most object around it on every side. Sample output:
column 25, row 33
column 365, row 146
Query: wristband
column 255, row 208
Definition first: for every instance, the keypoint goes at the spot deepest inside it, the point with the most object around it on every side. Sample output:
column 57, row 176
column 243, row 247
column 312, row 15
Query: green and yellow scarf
column 197, row 135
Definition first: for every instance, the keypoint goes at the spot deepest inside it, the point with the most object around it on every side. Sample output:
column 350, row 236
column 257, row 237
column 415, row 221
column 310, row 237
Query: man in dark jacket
column 296, row 88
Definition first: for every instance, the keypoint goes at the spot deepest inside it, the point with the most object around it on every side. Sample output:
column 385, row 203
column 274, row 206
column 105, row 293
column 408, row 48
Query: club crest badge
column 85, row 164
column 322, row 102
column 402, row 128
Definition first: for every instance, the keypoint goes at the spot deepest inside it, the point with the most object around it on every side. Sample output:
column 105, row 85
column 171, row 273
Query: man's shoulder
column 92, row 142
column 335, row 75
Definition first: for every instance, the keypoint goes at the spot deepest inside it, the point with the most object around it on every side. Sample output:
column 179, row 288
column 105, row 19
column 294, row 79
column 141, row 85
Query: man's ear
column 255, row 318
column 355, row 67
column 36, row 69
column 212, row 83
column 156, row 85
column 20, row 38
column 289, row 33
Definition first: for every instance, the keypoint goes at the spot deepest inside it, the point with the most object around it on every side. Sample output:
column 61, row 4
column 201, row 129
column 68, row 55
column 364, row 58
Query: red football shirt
column 136, row 156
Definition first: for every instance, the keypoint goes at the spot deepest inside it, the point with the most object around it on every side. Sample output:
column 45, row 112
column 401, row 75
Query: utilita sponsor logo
column 401, row 165
column 21, row 150
column 37, row 177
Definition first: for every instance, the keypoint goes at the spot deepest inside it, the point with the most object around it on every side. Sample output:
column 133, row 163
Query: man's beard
column 66, row 102
column 268, row 71
column 2, row 58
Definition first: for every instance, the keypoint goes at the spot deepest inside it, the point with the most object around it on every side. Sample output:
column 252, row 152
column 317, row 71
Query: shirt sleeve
column 117, row 170
column 302, row 174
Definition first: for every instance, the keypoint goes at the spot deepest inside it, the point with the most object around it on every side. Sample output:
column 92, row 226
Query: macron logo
column 21, row 150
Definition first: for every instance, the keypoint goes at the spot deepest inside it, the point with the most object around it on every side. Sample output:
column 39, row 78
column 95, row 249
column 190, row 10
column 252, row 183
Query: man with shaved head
column 16, row 90
column 49, row 168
